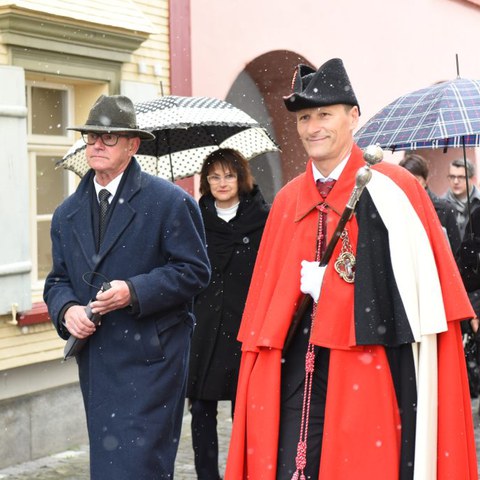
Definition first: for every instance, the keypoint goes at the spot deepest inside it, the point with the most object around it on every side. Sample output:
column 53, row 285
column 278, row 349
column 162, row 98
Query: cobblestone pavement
column 73, row 465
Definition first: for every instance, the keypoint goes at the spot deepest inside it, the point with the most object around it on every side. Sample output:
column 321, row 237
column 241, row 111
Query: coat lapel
column 81, row 221
column 122, row 215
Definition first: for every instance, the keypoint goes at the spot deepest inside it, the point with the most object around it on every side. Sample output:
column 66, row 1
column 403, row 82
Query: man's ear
column 134, row 145
column 354, row 116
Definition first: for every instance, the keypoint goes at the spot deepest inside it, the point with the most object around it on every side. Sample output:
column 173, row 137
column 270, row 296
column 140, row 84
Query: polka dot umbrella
column 187, row 129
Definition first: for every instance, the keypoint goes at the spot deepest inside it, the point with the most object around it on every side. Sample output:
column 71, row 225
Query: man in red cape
column 387, row 396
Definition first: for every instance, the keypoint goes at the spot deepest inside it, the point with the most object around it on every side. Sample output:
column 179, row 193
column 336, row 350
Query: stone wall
column 36, row 425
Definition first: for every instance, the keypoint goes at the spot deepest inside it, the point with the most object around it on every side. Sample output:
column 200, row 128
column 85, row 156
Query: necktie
column 103, row 200
column 325, row 186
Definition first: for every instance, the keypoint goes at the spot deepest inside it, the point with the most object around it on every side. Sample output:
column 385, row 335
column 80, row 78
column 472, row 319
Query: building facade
column 56, row 58
column 389, row 48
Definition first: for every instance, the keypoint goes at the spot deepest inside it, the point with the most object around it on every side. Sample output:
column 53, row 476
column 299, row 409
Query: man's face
column 457, row 180
column 327, row 132
column 109, row 161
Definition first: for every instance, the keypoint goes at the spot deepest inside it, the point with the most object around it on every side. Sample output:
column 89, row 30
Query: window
column 51, row 186
column 49, row 114
column 48, row 106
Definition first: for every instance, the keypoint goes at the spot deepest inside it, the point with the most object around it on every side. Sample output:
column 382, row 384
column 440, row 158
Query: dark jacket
column 468, row 260
column 446, row 214
column 232, row 249
column 133, row 368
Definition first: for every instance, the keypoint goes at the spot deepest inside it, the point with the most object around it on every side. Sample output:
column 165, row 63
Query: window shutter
column 15, row 263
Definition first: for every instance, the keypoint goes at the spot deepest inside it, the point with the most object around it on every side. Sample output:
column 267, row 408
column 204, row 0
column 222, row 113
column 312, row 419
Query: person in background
column 469, row 255
column 457, row 193
column 468, row 261
column 373, row 383
column 144, row 236
column 234, row 213
column 460, row 172
column 418, row 167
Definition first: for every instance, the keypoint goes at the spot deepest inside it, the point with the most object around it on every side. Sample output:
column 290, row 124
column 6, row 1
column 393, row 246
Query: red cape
column 361, row 431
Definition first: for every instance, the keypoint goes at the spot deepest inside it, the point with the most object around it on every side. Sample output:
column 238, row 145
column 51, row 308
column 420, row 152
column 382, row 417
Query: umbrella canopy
column 444, row 115
column 187, row 129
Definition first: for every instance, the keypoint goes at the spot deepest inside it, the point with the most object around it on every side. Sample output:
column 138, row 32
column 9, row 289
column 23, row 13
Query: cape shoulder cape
column 289, row 238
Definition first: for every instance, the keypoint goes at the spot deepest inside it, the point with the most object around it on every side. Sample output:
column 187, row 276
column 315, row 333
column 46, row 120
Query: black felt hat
column 329, row 85
column 112, row 114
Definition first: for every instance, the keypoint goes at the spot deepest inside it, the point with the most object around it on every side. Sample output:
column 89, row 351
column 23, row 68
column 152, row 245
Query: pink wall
column 388, row 48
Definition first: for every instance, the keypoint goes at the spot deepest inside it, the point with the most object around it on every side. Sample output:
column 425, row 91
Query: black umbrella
column 187, row 129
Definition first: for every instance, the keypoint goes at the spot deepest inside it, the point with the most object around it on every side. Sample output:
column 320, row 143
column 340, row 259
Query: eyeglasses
column 215, row 179
column 460, row 178
column 108, row 139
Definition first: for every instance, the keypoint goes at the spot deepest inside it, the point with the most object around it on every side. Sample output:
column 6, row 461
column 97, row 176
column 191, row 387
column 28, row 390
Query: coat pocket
column 158, row 332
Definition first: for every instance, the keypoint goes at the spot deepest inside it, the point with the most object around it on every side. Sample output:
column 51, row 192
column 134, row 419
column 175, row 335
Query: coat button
column 246, row 240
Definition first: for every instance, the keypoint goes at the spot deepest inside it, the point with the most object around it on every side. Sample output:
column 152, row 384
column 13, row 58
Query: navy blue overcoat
column 133, row 369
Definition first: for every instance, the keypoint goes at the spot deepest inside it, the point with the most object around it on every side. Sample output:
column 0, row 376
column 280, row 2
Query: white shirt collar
column 334, row 174
column 112, row 187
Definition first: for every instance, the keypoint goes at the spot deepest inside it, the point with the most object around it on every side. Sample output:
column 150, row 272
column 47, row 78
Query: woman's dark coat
column 232, row 249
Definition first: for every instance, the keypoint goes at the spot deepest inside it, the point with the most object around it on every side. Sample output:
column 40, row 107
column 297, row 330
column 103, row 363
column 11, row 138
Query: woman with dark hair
column 234, row 213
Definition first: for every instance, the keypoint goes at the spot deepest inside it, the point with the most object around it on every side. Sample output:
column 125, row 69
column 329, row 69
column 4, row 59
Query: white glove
column 311, row 278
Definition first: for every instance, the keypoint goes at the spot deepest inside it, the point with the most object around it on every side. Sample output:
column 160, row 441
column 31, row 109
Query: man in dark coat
column 133, row 368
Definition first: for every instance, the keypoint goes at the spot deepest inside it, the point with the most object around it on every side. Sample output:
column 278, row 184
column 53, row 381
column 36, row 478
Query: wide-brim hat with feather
column 113, row 114
column 329, row 85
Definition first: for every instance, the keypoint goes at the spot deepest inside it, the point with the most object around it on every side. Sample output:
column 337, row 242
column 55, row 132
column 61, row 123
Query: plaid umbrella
column 187, row 129
column 444, row 115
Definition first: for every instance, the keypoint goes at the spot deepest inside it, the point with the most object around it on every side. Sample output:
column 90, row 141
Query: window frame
column 40, row 145
column 66, row 139
column 35, row 150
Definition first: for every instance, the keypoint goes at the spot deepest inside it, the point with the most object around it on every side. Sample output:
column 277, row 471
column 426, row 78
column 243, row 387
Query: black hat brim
column 142, row 134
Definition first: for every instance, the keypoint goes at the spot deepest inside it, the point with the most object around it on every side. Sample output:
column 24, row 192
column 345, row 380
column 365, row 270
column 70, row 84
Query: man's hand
column 112, row 299
column 311, row 278
column 77, row 322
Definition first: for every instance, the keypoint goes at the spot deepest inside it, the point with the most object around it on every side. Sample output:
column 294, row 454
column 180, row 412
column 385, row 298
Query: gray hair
column 460, row 163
